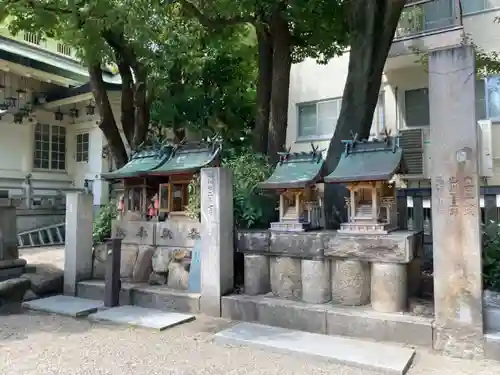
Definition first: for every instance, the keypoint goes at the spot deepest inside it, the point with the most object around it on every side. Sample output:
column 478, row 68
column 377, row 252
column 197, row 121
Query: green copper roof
column 140, row 163
column 368, row 161
column 295, row 170
column 188, row 158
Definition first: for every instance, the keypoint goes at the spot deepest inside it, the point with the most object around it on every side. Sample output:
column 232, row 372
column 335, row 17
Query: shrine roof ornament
column 375, row 160
column 296, row 170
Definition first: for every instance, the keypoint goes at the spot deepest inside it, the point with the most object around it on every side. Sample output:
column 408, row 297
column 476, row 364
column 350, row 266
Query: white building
column 403, row 104
column 57, row 140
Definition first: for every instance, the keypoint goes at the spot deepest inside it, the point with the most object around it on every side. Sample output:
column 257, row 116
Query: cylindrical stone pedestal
column 257, row 278
column 285, row 277
column 350, row 282
column 389, row 287
column 316, row 285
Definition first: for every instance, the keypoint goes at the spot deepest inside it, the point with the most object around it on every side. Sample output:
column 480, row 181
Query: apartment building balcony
column 425, row 25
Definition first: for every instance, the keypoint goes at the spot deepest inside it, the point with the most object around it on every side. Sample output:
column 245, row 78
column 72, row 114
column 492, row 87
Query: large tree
column 287, row 31
column 371, row 27
column 103, row 31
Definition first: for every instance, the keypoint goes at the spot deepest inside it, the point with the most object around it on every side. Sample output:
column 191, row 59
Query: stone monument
column 10, row 264
column 455, row 204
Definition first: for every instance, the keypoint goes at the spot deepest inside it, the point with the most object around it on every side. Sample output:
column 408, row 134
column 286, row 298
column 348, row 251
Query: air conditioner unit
column 417, row 153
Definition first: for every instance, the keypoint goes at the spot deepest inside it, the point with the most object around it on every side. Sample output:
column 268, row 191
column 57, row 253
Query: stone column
column 286, row 277
column 217, row 238
column 350, row 282
column 316, row 280
column 455, row 203
column 389, row 287
column 78, row 247
column 257, row 278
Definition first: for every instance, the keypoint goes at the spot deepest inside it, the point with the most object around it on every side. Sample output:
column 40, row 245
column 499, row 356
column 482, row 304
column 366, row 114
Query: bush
column 491, row 256
column 102, row 223
column 252, row 209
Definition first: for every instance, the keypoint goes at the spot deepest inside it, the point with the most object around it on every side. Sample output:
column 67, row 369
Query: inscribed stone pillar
column 216, row 238
column 78, row 247
column 455, row 203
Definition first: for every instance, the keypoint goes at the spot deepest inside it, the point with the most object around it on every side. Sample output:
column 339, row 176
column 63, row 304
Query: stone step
column 492, row 319
column 384, row 358
column 65, row 305
column 141, row 317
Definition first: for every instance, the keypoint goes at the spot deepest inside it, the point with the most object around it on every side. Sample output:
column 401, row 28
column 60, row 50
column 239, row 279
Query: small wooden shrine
column 294, row 179
column 138, row 187
column 367, row 169
column 156, row 179
column 184, row 162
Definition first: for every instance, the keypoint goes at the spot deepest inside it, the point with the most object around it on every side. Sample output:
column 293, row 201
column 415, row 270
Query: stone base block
column 286, row 277
column 143, row 295
column 350, row 282
column 316, row 281
column 492, row 346
column 389, row 287
column 357, row 322
column 257, row 278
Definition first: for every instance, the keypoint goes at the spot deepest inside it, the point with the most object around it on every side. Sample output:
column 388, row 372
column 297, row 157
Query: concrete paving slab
column 384, row 358
column 65, row 305
column 141, row 317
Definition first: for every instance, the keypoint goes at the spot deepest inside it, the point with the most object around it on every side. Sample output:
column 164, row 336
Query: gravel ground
column 42, row 344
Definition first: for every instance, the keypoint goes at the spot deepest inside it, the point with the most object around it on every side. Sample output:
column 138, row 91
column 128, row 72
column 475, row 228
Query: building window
column 32, row 38
column 50, row 147
column 417, row 107
column 481, row 100
column 82, row 148
column 473, row 6
column 318, row 119
column 63, row 49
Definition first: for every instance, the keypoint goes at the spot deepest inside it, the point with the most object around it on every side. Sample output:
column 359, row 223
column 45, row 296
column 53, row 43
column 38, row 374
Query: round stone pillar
column 350, row 282
column 316, row 284
column 285, row 277
column 257, row 279
column 389, row 287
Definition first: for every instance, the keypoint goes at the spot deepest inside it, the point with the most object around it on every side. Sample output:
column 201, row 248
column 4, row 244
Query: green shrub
column 102, row 222
column 491, row 256
column 252, row 209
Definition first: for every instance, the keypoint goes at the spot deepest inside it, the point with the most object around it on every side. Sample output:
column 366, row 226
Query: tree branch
column 217, row 22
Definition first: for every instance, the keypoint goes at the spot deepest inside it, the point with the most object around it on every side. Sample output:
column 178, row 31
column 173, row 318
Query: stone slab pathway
column 141, row 317
column 383, row 358
column 64, row 305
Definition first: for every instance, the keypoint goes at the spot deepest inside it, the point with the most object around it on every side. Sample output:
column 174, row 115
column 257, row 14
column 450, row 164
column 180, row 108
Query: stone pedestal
column 389, row 287
column 350, row 282
column 455, row 203
column 217, row 249
column 8, row 234
column 316, row 281
column 286, row 277
column 78, row 247
column 257, row 278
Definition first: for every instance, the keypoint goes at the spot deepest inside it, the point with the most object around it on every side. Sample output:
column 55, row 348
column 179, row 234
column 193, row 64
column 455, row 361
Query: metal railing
column 426, row 16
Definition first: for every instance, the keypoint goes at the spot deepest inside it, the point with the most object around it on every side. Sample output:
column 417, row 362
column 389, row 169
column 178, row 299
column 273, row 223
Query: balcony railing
column 421, row 17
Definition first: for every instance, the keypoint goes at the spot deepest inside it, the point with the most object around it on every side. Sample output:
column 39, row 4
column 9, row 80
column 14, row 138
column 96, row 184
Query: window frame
column 50, row 150
column 405, row 108
column 315, row 137
column 82, row 152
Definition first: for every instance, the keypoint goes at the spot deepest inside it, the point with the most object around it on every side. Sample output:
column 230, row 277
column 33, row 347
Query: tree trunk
column 264, row 86
column 371, row 25
column 107, row 123
column 282, row 63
